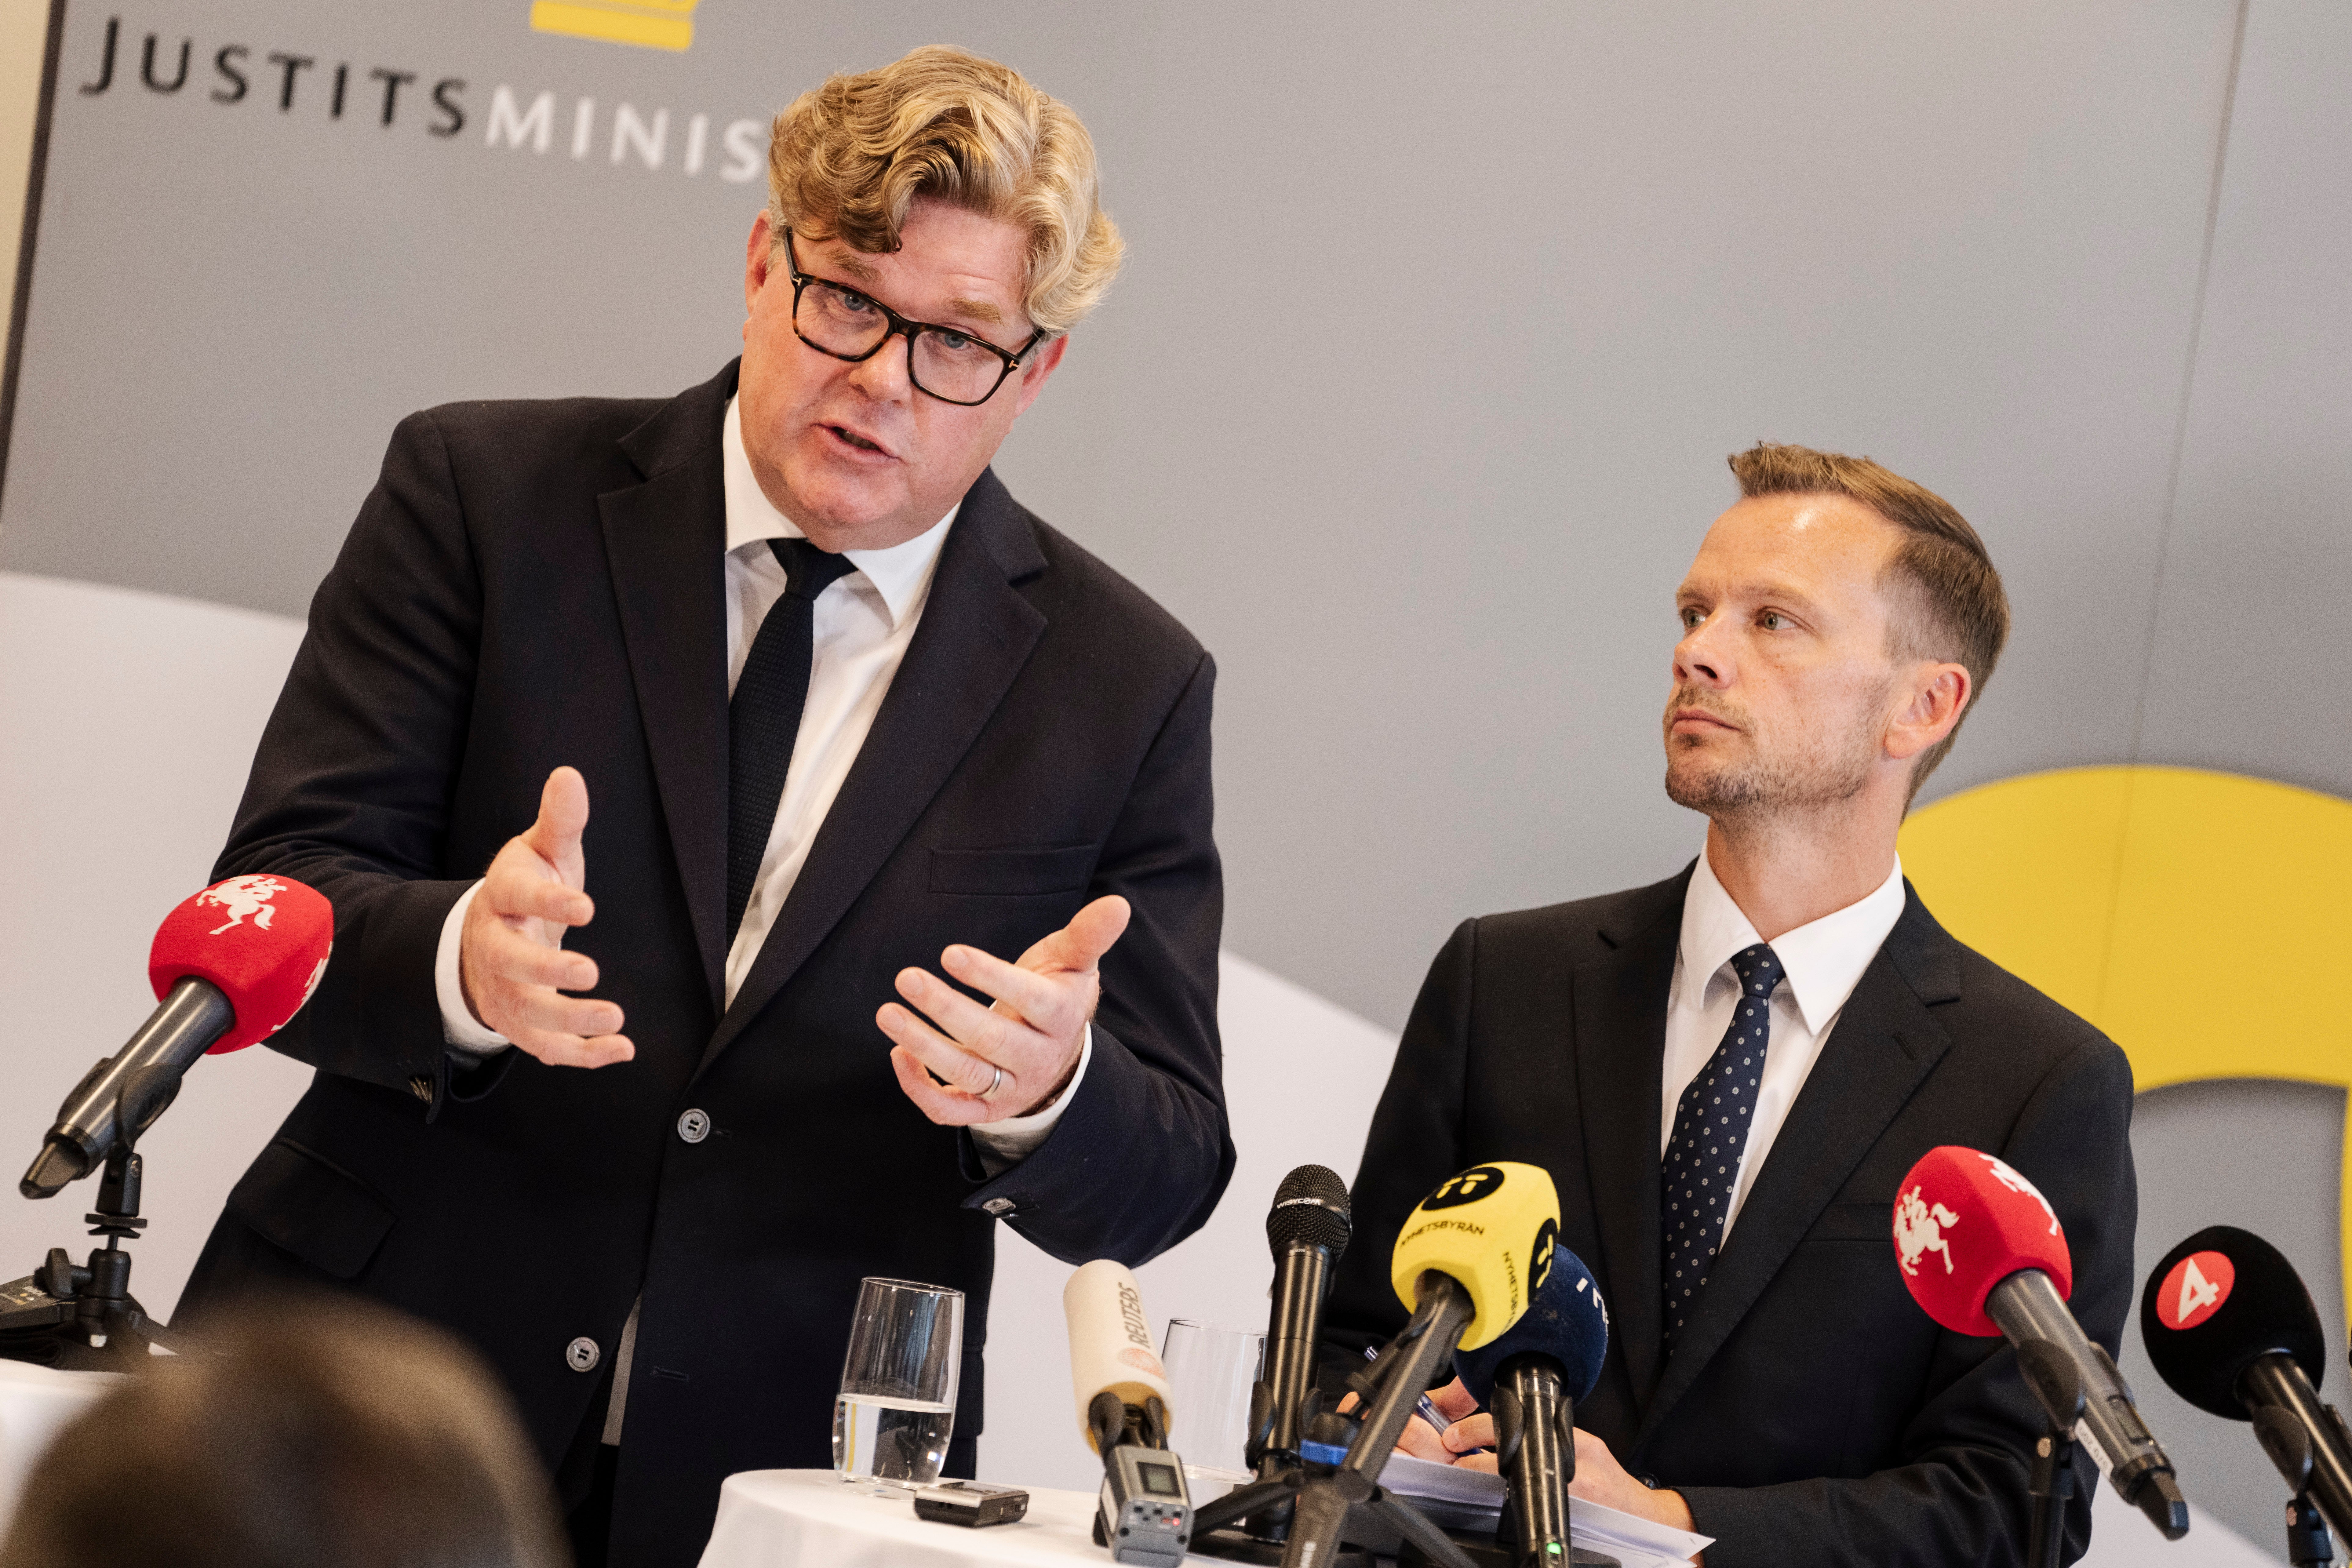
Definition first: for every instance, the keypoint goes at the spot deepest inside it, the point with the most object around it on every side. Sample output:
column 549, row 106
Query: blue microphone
column 1530, row 1378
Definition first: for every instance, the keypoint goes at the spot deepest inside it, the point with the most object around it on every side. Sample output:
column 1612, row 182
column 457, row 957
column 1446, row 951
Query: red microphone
column 1983, row 1253
column 1998, row 1223
column 230, row 967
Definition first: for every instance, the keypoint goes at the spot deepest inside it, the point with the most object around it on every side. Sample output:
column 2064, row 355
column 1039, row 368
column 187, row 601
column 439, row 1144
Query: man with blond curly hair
column 905, row 908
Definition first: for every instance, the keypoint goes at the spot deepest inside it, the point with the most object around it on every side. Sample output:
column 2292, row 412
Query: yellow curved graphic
column 648, row 24
column 2197, row 918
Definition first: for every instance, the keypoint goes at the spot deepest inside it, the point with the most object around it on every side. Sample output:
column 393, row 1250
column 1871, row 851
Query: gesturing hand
column 1032, row 1033
column 510, row 957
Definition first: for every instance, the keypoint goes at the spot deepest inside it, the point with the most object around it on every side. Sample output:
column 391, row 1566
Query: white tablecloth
column 807, row 1519
column 35, row 1404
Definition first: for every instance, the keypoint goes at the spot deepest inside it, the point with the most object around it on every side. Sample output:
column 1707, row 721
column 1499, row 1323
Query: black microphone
column 1530, row 1379
column 2230, row 1328
column 1307, row 1228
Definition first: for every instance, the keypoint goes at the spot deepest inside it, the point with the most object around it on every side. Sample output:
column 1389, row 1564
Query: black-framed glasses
column 945, row 363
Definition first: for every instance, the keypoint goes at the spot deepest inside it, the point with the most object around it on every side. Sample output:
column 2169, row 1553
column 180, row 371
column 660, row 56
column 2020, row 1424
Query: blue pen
column 1426, row 1408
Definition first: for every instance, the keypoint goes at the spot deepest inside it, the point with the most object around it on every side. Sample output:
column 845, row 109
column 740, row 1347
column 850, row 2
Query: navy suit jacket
column 537, row 584
column 1810, row 1412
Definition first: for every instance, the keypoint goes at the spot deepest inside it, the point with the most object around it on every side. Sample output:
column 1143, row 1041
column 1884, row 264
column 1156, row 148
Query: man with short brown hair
column 1770, row 1382
column 905, row 891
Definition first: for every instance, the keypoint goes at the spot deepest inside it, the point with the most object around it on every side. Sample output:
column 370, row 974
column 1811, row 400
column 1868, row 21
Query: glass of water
column 1210, row 1371
column 897, row 1408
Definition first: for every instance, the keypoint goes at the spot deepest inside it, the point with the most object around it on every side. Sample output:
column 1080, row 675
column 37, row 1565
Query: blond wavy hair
column 848, row 159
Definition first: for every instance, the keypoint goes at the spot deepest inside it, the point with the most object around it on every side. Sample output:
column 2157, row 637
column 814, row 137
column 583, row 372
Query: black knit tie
column 1711, row 1124
column 764, row 718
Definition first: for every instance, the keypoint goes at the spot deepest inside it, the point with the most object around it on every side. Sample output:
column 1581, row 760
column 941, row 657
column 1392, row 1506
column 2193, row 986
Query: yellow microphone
column 1467, row 1261
column 1491, row 1230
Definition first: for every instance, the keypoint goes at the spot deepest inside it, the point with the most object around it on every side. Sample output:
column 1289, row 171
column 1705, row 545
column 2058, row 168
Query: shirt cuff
column 458, row 1025
column 1004, row 1144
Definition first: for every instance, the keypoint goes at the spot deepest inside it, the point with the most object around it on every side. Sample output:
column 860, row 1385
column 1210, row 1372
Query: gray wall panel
column 2260, row 555
column 1438, row 569
column 1413, row 402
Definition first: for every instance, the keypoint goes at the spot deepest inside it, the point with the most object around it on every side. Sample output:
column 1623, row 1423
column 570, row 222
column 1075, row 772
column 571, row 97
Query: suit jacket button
column 694, row 1126
column 422, row 1088
column 582, row 1355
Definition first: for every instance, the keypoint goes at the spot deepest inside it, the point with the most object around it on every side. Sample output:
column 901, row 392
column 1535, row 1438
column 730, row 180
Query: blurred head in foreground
column 332, row 1434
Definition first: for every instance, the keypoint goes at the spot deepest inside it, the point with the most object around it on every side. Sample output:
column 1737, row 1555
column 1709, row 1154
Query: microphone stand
column 2307, row 1541
column 1322, row 1495
column 2285, row 1438
column 2049, row 1373
column 83, row 1318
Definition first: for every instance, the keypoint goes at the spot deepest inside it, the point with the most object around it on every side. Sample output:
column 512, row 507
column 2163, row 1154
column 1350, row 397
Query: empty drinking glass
column 1210, row 1371
column 896, row 1409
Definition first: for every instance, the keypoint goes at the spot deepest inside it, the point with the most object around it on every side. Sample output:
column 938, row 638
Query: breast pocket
column 1012, row 873
column 1856, row 1222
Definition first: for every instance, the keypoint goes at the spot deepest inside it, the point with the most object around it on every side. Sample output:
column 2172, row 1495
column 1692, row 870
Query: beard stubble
column 1817, row 769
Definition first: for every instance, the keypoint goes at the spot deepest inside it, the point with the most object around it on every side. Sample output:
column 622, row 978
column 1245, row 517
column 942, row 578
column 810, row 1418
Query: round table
column 782, row 1519
column 36, row 1404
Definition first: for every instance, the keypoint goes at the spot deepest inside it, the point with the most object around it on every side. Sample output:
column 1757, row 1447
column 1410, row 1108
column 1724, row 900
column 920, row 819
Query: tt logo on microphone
column 1540, row 1257
column 1478, row 1182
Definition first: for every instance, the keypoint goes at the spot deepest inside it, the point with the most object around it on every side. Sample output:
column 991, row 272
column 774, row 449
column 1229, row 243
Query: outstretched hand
column 512, row 963
column 1011, row 1058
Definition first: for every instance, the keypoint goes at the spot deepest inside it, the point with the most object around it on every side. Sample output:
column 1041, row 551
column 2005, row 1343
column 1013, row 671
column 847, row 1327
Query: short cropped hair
column 849, row 158
column 324, row 1434
column 1959, row 612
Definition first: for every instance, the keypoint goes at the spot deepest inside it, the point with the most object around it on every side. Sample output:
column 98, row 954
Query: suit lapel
column 1883, row 1046
column 1621, row 1036
column 976, row 632
column 666, row 541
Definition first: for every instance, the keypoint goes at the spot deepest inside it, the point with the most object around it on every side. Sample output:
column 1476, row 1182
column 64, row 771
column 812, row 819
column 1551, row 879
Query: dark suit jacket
column 1810, row 1412
column 536, row 583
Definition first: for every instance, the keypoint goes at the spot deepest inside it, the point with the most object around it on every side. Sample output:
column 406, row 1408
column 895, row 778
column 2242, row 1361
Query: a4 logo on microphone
column 2194, row 1289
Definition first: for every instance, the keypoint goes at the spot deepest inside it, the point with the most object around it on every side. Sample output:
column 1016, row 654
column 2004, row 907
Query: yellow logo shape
column 648, row 24
column 2190, row 915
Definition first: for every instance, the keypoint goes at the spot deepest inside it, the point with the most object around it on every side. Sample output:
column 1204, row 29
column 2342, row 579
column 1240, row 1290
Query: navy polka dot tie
column 1710, row 1130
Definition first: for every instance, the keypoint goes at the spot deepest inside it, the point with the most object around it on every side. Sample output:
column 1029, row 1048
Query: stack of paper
column 1451, row 1496
column 1463, row 1499
column 1633, row 1541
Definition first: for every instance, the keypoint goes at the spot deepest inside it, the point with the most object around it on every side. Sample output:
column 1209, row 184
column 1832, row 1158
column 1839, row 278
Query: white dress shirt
column 861, row 626
column 1821, row 964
